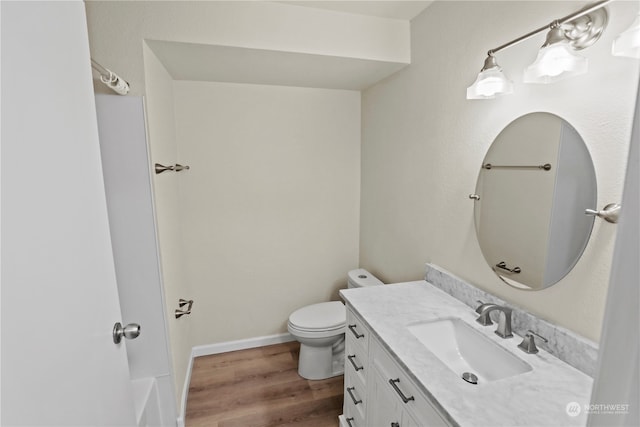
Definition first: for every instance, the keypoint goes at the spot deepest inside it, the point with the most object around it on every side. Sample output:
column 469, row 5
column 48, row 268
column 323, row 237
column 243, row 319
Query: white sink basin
column 464, row 349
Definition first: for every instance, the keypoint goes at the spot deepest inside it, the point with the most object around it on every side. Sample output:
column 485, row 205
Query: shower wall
column 270, row 207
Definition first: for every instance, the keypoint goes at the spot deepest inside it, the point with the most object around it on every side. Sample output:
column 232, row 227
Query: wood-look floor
column 260, row 387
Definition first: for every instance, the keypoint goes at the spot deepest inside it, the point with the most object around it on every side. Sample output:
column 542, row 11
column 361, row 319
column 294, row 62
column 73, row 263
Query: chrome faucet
column 504, row 323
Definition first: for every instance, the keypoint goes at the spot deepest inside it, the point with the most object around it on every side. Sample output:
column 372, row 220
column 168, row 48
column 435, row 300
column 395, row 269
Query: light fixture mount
column 585, row 30
column 557, row 58
column 489, row 62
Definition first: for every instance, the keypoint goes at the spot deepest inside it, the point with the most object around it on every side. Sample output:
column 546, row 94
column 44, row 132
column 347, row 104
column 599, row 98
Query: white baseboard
column 223, row 347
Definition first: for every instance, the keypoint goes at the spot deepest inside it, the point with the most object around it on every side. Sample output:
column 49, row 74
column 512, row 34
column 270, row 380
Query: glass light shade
column 555, row 62
column 628, row 43
column 489, row 84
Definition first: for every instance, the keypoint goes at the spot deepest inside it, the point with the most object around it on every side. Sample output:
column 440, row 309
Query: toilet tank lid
column 324, row 315
column 361, row 277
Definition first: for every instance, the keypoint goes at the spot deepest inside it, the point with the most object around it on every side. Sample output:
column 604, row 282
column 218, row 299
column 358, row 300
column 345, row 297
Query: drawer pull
column 394, row 424
column 404, row 398
column 356, row 367
column 353, row 329
column 355, row 401
column 349, row 421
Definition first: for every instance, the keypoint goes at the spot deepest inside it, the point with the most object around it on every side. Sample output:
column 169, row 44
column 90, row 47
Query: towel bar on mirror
column 503, row 266
column 546, row 166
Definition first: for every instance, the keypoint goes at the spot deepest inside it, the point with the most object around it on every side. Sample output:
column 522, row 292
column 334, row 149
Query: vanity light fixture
column 628, row 42
column 556, row 58
column 490, row 82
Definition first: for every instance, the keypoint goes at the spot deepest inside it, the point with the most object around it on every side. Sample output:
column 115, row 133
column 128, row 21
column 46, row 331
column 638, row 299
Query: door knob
column 131, row 331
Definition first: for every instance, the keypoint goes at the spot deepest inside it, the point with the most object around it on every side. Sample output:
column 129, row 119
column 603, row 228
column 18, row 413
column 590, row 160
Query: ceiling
column 395, row 9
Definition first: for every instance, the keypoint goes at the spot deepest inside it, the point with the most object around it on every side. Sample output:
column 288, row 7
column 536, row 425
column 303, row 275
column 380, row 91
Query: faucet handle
column 528, row 344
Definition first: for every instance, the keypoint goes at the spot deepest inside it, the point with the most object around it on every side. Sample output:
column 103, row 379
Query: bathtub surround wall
column 566, row 345
column 423, row 143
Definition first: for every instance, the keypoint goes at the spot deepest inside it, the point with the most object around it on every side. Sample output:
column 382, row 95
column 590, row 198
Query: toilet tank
column 360, row 277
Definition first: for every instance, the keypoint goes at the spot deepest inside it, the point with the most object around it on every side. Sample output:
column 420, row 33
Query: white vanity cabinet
column 377, row 391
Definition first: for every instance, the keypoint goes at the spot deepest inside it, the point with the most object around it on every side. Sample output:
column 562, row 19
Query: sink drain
column 470, row 378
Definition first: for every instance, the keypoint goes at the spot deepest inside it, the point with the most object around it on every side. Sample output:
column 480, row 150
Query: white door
column 59, row 298
column 126, row 170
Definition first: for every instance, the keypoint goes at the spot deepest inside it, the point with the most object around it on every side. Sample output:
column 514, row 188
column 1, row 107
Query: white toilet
column 320, row 330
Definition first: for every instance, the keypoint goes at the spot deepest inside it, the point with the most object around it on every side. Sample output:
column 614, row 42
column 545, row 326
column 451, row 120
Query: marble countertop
column 536, row 398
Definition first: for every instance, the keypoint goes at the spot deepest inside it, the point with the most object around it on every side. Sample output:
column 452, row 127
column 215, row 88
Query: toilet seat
column 325, row 317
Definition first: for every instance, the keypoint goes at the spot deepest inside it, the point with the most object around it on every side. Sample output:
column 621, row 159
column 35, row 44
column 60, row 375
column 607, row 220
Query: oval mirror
column 534, row 185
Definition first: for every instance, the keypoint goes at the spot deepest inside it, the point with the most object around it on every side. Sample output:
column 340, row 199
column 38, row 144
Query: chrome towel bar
column 503, row 266
column 546, row 166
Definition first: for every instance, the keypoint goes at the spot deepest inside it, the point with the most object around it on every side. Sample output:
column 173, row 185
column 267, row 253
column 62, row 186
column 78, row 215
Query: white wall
column 270, row 206
column 618, row 367
column 266, row 219
column 423, row 143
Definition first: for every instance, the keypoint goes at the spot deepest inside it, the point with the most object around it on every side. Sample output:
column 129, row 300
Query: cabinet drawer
column 407, row 393
column 355, row 361
column 356, row 331
column 355, row 397
column 353, row 418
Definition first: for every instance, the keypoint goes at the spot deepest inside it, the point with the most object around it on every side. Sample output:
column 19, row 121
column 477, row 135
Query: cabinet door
column 384, row 409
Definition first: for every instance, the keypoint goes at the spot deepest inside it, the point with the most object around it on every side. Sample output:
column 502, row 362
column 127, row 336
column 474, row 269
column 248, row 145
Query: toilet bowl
column 320, row 330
